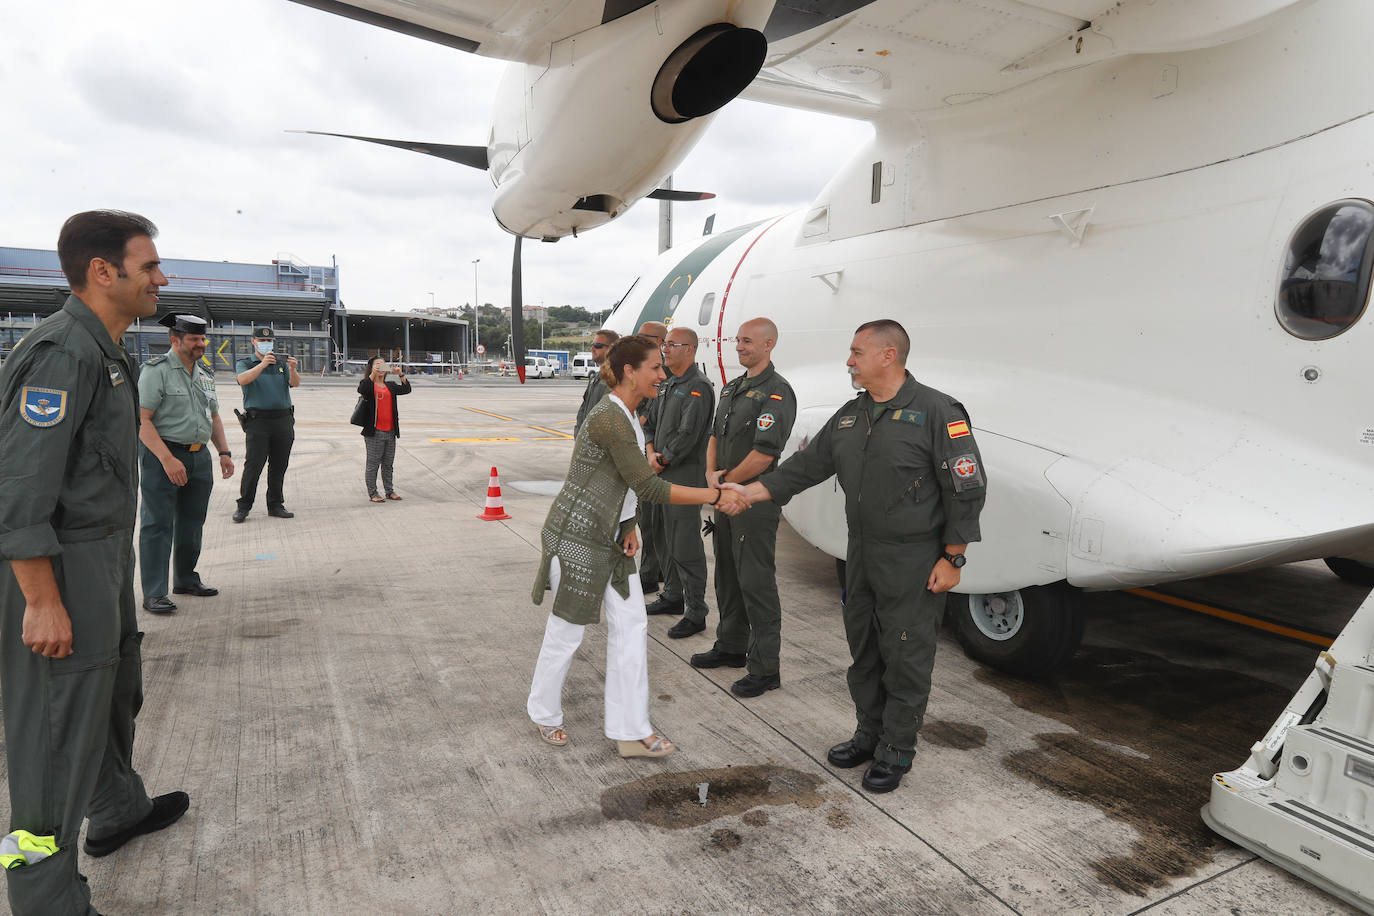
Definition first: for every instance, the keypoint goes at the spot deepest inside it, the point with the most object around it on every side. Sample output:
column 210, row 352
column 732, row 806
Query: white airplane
column 1134, row 237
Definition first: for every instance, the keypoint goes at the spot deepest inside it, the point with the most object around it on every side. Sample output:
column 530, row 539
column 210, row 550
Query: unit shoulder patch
column 42, row 407
column 766, row 421
column 967, row 474
column 958, row 429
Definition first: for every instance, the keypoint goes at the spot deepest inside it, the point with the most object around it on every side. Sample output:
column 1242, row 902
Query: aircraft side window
column 1325, row 284
column 708, row 306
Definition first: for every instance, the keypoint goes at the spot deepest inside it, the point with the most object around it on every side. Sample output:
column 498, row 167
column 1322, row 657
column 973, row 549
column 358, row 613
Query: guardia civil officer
column 269, row 423
column 180, row 417
column 751, row 427
column 914, row 486
column 652, row 567
column 596, row 388
column 70, row 665
column 677, row 432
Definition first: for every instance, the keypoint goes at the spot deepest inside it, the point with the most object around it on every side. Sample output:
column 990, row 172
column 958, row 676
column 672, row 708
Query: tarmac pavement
column 348, row 716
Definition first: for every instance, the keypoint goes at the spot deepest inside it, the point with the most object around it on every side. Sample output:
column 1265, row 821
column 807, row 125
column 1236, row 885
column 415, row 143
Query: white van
column 583, row 366
column 538, row 367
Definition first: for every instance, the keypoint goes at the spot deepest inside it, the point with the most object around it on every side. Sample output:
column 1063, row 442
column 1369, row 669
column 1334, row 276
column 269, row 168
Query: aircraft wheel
column 1029, row 632
column 1351, row 570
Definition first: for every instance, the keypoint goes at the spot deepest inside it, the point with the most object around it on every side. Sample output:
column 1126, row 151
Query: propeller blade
column 517, row 314
column 679, row 196
column 473, row 156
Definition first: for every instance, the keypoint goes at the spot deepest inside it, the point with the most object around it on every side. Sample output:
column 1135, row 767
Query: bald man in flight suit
column 913, row 490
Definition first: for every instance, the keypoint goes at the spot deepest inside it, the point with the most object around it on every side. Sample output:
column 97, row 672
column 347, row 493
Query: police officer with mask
column 180, row 414
column 752, row 424
column 913, row 489
column 70, row 664
column 269, row 424
column 676, row 437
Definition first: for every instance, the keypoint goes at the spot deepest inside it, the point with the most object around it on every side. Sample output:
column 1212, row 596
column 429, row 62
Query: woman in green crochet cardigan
column 589, row 546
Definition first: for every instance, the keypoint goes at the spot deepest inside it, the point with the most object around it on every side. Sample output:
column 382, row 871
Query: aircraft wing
column 904, row 56
column 522, row 30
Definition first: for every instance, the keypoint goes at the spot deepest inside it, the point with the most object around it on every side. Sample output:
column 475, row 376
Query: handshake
column 733, row 499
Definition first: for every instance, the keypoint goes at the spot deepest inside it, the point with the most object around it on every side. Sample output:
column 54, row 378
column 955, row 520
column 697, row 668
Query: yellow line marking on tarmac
column 488, row 439
column 490, row 414
column 1233, row 617
column 556, row 433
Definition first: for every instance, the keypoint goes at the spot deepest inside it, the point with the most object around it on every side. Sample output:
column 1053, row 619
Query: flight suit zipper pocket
column 109, row 460
column 914, row 487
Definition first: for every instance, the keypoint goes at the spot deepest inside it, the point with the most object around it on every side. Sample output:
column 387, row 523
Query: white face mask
column 264, row 346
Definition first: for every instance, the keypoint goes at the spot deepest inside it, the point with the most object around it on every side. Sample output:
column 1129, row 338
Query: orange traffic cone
column 494, row 511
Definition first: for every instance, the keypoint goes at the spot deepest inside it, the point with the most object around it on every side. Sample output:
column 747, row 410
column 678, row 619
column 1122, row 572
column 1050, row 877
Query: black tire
column 1351, row 570
column 1043, row 640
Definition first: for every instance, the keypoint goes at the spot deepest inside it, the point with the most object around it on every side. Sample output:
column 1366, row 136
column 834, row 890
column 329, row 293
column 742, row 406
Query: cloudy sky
column 177, row 109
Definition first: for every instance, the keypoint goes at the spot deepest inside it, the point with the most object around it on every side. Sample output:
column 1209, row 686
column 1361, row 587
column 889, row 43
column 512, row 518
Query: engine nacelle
column 617, row 108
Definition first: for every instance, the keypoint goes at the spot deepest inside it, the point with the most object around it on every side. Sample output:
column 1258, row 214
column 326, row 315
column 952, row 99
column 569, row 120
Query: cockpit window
column 1325, row 284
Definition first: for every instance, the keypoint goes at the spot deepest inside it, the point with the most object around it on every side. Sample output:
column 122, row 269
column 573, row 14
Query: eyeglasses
column 669, row 346
column 600, row 346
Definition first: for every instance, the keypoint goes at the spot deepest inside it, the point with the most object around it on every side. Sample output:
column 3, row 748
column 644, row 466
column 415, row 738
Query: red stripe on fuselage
column 725, row 297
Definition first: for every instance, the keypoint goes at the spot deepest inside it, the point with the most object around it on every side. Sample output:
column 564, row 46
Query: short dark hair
column 98, row 234
column 891, row 334
column 627, row 351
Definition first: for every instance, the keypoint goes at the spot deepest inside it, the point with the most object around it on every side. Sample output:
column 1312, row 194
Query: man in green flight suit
column 752, row 424
column 180, row 415
column 676, row 437
column 70, row 663
column 913, row 489
column 596, row 389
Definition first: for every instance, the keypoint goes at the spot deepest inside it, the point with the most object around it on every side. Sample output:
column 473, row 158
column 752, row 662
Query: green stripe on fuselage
column 665, row 298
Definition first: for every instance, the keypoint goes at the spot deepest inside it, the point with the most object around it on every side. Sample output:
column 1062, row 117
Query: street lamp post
column 431, row 300
column 476, row 307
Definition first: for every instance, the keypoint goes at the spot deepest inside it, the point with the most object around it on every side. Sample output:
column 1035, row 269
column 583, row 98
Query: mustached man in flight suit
column 70, row 665
column 913, row 489
column 180, row 416
column 677, row 432
column 752, row 424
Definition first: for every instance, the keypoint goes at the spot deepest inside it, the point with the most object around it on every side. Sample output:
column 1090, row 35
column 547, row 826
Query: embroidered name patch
column 958, row 429
column 845, row 422
column 916, row 417
column 766, row 421
column 42, row 406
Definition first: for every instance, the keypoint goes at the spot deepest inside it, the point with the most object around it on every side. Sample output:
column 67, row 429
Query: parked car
column 583, row 366
column 538, row 367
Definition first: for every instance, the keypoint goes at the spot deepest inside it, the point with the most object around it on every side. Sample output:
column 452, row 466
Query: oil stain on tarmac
column 696, row 797
column 1149, row 734
column 959, row 736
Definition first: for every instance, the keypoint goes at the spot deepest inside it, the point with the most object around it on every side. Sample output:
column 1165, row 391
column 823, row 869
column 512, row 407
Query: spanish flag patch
column 775, row 397
column 958, row 429
column 696, row 394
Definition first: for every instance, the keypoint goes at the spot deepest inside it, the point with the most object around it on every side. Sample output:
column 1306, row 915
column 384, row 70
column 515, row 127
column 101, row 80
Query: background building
column 300, row 302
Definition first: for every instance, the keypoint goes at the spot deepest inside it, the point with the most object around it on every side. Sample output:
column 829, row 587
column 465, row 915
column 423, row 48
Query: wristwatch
column 957, row 560
column 226, row 454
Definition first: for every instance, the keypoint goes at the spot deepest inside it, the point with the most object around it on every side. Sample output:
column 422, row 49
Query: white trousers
column 627, row 664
